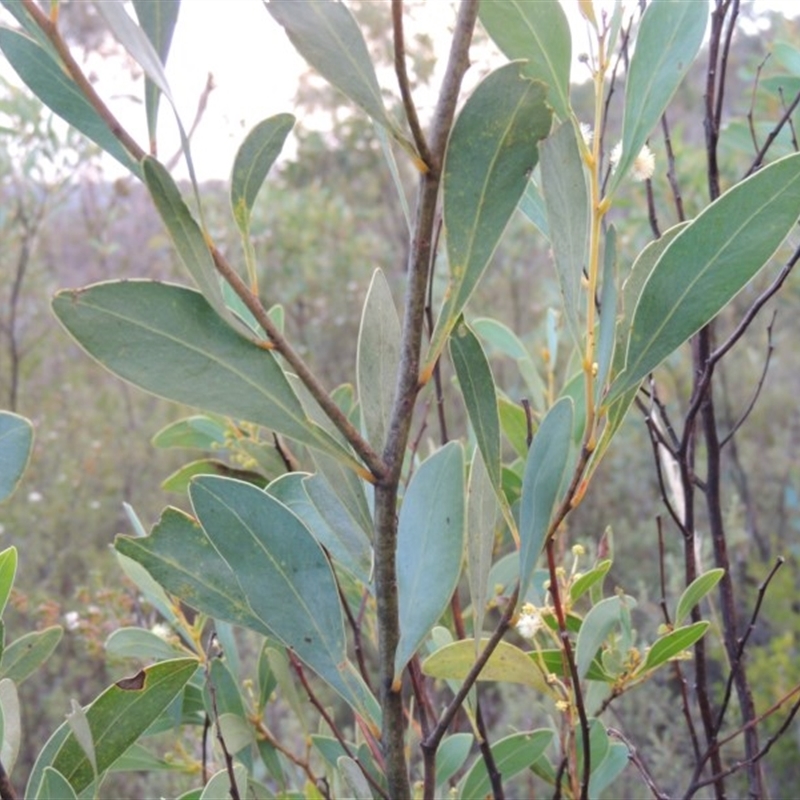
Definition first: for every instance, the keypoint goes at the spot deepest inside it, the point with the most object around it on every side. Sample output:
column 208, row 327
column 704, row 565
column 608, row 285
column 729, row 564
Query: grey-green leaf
column 482, row 511
column 187, row 237
column 283, row 573
column 328, row 37
column 597, row 624
column 158, row 21
column 168, row 340
column 430, row 547
column 378, row 359
column 667, row 42
column 566, row 197
column 181, row 558
column 544, row 474
column 539, row 33
column 51, row 84
column 16, row 441
column 490, row 155
column 478, row 390
column 255, row 156
column 708, row 263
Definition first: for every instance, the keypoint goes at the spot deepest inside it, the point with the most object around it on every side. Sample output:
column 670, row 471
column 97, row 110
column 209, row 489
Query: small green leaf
column 8, row 571
column 378, row 359
column 430, row 547
column 255, row 156
column 585, row 582
column 507, row 663
column 667, row 42
column 478, row 390
column 708, row 263
column 490, row 155
column 117, row 718
column 695, row 592
column 200, row 432
column 597, row 624
column 25, row 655
column 451, row 755
column 566, row 197
column 539, row 33
column 514, row 424
column 544, row 474
column 553, row 662
column 672, row 644
column 16, row 441
column 141, row 644
column 51, row 84
column 512, row 755
column 180, row 479
column 168, row 340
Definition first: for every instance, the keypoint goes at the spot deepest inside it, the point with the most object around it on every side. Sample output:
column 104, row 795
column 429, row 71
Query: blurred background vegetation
column 329, row 217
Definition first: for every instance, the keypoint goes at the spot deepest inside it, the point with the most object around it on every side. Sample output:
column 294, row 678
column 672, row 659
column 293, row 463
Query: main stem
column 386, row 490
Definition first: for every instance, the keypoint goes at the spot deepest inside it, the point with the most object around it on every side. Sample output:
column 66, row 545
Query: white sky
column 255, row 71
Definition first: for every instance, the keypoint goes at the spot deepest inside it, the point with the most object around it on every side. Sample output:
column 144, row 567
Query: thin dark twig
column 636, row 760
column 495, row 777
column 204, row 748
column 437, row 367
column 662, row 576
column 723, row 63
column 757, row 305
column 773, row 134
column 202, row 104
column 762, row 752
column 321, row 710
column 526, row 406
column 405, row 87
column 652, row 215
column 214, row 651
column 662, row 487
column 762, row 590
column 432, row 741
column 7, row 791
column 686, row 708
column 355, row 626
column 757, row 391
column 562, row 768
column 572, row 668
column 790, row 121
column 672, row 175
column 50, row 30
column 751, row 110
